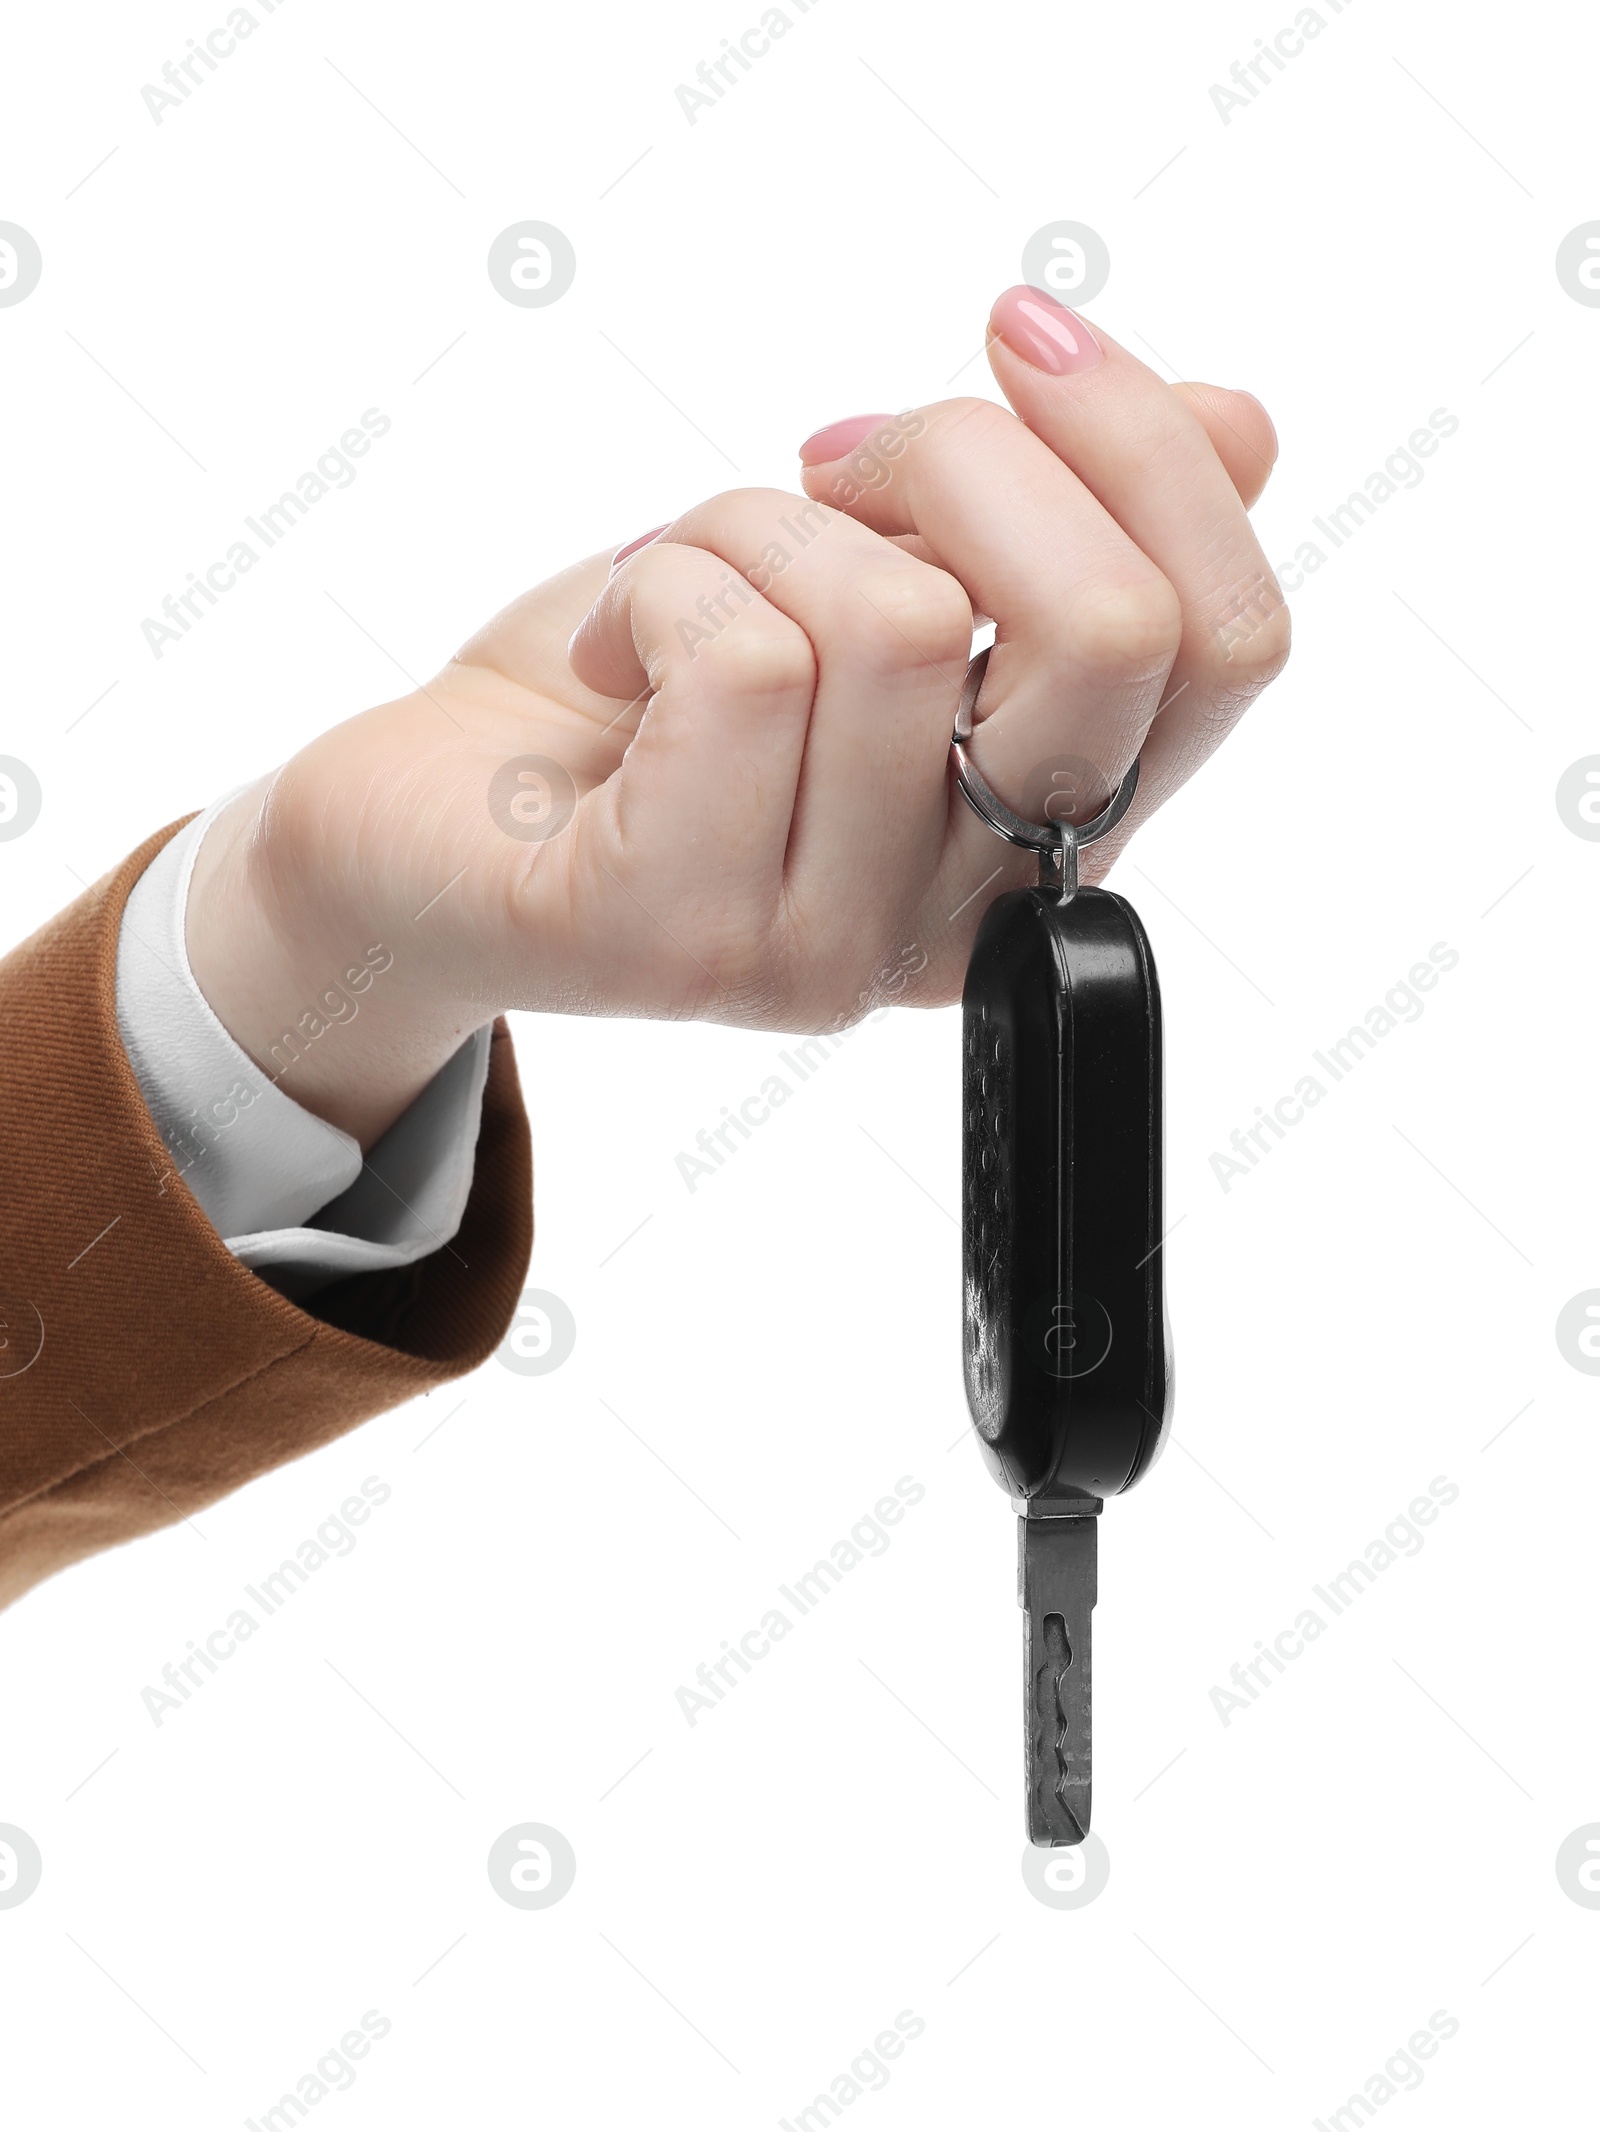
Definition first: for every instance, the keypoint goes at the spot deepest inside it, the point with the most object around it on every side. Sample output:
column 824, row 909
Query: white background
column 1291, row 1894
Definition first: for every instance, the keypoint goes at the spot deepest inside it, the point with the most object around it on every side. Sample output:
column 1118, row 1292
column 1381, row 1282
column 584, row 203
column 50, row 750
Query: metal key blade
column 1057, row 1580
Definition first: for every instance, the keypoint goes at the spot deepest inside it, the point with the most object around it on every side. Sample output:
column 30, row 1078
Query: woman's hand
column 712, row 780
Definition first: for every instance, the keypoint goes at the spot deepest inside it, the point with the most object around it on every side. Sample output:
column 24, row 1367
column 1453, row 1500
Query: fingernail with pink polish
column 839, row 438
column 1043, row 332
column 643, row 541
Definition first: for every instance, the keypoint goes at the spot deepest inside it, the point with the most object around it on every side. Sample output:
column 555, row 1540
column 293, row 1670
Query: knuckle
column 909, row 619
column 751, row 661
column 735, row 505
column 1250, row 645
column 1125, row 632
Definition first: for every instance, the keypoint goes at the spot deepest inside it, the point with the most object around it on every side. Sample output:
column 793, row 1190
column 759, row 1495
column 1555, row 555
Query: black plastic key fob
column 1066, row 1352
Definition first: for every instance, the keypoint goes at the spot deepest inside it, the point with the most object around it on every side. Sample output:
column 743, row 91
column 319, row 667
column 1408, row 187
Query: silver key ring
column 1057, row 843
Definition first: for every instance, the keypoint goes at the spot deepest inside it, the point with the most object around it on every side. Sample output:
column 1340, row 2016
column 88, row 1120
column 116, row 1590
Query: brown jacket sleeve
column 144, row 1371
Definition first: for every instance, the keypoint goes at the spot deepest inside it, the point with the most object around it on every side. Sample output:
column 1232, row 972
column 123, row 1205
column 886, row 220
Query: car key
column 1066, row 1350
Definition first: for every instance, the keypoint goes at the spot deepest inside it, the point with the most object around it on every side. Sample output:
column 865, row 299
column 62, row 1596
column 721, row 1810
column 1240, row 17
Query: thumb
column 526, row 642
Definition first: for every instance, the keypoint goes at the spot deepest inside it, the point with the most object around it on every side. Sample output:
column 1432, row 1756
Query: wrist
column 302, row 969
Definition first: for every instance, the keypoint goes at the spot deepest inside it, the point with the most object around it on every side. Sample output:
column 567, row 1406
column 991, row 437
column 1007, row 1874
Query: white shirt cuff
column 289, row 1193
